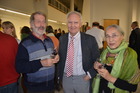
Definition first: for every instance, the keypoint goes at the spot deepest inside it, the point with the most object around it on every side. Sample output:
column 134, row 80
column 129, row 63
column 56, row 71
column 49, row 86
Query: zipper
column 45, row 47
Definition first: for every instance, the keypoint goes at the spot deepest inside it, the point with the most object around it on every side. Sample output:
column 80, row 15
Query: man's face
column 38, row 25
column 74, row 23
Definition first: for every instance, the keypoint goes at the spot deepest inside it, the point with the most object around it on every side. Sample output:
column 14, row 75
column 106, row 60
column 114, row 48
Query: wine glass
column 100, row 66
column 100, row 61
column 54, row 53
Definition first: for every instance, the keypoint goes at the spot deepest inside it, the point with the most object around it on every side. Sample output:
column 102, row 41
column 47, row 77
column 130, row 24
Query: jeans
column 11, row 88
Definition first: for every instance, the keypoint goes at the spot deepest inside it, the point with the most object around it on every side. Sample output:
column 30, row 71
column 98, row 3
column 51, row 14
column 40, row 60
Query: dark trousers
column 40, row 92
column 11, row 88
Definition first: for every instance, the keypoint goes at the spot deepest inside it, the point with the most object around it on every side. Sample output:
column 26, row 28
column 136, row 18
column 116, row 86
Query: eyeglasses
column 113, row 36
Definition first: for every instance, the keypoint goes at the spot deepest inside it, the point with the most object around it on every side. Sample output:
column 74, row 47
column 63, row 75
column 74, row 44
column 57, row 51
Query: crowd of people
column 46, row 60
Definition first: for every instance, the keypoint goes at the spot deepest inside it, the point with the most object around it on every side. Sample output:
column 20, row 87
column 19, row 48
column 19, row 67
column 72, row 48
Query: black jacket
column 90, row 53
column 134, row 42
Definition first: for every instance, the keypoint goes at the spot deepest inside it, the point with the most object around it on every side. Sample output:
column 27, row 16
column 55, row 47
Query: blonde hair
column 8, row 24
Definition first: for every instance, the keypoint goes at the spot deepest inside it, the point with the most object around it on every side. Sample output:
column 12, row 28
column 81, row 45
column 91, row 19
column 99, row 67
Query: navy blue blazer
column 90, row 53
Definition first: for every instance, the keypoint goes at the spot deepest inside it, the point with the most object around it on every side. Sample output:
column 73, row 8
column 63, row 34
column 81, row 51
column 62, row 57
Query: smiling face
column 74, row 24
column 38, row 24
column 113, row 37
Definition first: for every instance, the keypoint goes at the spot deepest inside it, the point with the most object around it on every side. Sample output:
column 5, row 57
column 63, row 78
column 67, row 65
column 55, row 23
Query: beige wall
column 138, row 14
column 27, row 7
column 93, row 10
column 124, row 10
column 19, row 21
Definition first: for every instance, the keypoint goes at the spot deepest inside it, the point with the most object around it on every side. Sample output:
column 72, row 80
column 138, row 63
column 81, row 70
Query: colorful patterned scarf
column 125, row 67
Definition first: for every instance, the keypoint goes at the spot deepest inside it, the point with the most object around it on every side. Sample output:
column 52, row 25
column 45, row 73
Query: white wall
column 56, row 15
column 18, row 20
column 86, row 12
column 138, row 11
column 93, row 10
column 27, row 7
column 124, row 10
column 111, row 9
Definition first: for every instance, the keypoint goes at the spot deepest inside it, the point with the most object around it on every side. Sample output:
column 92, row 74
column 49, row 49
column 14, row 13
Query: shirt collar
column 35, row 38
column 76, row 36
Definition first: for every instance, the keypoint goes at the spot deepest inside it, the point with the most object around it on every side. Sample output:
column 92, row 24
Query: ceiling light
column 13, row 12
column 64, row 23
column 52, row 21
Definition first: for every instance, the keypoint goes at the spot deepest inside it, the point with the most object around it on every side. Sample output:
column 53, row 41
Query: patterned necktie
column 70, row 58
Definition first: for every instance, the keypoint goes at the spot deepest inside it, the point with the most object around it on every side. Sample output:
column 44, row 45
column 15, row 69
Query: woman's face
column 113, row 37
column 8, row 30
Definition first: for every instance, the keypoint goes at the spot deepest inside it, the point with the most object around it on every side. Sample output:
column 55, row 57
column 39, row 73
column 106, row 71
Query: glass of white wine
column 100, row 66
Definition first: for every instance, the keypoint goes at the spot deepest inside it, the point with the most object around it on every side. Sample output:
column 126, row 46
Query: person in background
column 135, row 38
column 78, row 51
column 0, row 24
column 9, row 28
column 35, row 59
column 104, row 42
column 49, row 32
column 118, row 70
column 8, row 75
column 101, row 27
column 55, row 32
column 25, row 31
column 58, row 34
column 63, row 32
column 98, row 34
column 88, row 28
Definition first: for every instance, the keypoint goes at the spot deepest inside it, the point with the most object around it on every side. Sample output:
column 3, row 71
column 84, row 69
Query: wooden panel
column 108, row 22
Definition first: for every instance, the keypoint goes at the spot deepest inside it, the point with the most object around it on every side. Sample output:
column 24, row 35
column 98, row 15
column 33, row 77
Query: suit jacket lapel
column 65, row 44
column 83, row 46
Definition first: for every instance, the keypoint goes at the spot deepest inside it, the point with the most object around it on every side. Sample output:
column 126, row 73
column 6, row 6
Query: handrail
column 58, row 5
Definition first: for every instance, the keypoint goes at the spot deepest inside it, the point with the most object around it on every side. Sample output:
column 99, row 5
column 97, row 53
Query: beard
column 39, row 30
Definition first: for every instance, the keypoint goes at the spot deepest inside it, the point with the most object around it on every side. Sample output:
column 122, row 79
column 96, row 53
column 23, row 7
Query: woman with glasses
column 118, row 70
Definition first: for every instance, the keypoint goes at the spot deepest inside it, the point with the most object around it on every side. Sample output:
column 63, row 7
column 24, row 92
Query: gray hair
column 35, row 13
column 74, row 12
column 118, row 28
